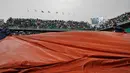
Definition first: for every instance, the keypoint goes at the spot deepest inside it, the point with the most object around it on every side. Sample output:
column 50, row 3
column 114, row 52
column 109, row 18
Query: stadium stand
column 38, row 24
column 46, row 24
column 119, row 19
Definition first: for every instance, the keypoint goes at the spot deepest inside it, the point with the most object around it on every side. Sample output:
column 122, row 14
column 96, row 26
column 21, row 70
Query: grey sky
column 78, row 9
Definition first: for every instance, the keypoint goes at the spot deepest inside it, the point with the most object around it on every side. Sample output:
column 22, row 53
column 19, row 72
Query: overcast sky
column 81, row 10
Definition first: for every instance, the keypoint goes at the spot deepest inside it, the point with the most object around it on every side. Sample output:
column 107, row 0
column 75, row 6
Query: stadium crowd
column 46, row 24
column 19, row 23
column 119, row 19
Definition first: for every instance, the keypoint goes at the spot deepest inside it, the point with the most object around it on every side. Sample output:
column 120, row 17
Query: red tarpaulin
column 66, row 52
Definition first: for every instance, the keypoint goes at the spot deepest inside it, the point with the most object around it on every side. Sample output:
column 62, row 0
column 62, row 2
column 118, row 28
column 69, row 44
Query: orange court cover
column 66, row 52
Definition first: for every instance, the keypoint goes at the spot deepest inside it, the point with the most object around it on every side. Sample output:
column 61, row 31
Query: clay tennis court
column 66, row 52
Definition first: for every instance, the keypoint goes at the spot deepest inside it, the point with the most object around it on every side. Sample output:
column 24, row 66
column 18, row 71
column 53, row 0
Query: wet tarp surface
column 66, row 52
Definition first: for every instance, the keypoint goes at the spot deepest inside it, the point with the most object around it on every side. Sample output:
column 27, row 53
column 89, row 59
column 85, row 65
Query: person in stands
column 4, row 32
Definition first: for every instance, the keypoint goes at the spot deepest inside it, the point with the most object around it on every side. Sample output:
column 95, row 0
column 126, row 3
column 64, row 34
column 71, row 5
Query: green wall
column 127, row 30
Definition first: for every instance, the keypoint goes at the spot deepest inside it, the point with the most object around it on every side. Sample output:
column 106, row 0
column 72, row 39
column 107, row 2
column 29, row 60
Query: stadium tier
column 60, row 25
